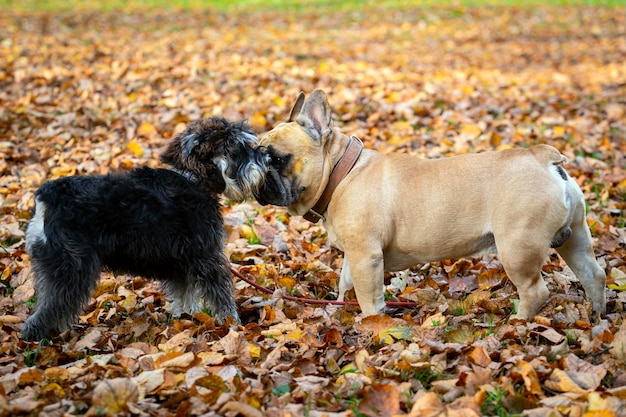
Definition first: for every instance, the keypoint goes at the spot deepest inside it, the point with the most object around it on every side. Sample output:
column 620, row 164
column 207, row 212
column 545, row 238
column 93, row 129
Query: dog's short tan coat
column 394, row 211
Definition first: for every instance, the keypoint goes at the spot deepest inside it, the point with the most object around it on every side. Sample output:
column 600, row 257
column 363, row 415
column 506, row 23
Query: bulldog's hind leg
column 577, row 251
column 522, row 261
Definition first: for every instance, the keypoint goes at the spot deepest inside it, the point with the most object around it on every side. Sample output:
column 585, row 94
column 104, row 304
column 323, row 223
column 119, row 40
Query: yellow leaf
column 295, row 335
column 129, row 303
column 146, row 128
column 393, row 96
column 279, row 101
column 599, row 413
column 54, row 389
column 387, row 336
column 135, row 148
column 361, row 357
column 496, row 139
column 402, row 125
column 398, row 140
column 471, row 129
column 255, row 351
column 63, row 170
column 459, row 335
column 286, row 282
column 435, row 320
column 258, row 119
column 619, row 280
column 245, row 231
column 598, row 406
column 617, row 287
column 349, row 368
column 558, row 130
column 467, row 90
column 505, row 146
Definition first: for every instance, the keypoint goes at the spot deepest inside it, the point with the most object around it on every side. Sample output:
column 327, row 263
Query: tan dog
column 393, row 211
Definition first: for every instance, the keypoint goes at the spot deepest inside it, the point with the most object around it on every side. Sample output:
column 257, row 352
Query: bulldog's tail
column 548, row 155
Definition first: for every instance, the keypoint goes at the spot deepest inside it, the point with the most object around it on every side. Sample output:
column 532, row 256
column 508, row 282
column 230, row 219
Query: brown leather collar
column 341, row 169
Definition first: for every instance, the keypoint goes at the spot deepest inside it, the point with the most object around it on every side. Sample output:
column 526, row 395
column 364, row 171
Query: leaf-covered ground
column 86, row 92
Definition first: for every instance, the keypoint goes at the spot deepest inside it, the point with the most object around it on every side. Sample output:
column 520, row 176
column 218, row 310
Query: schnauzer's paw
column 34, row 332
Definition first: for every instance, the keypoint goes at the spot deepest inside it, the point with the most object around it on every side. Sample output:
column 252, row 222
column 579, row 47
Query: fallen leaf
column 112, row 396
column 380, row 400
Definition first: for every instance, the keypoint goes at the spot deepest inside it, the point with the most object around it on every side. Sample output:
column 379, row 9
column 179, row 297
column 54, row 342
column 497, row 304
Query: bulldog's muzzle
column 278, row 190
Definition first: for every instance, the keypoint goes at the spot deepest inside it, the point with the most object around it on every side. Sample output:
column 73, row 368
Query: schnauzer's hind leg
column 217, row 288
column 65, row 277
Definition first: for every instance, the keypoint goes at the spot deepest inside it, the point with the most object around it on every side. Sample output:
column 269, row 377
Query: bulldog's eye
column 278, row 161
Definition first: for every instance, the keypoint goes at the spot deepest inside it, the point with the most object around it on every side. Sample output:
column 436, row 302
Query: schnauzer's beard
column 243, row 170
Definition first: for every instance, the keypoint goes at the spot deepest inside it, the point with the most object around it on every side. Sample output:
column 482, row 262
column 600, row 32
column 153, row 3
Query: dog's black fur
column 164, row 224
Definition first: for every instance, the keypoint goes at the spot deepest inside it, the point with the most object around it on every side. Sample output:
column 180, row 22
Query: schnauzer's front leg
column 210, row 280
column 217, row 288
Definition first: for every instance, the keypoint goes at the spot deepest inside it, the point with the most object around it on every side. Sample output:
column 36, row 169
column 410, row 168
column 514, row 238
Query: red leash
column 313, row 301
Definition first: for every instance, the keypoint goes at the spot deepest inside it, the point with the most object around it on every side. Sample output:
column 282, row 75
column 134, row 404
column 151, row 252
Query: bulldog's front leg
column 345, row 280
column 365, row 273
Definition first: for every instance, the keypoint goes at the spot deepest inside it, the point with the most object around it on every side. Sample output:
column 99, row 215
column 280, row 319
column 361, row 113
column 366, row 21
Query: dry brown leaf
column 149, row 381
column 479, row 356
column 111, row 397
column 560, row 381
column 426, row 404
column 176, row 360
column 178, row 343
column 89, row 341
column 530, row 377
column 244, row 409
column 380, row 400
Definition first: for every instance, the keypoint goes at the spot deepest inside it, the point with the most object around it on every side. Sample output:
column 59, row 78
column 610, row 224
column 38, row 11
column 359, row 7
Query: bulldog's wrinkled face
column 290, row 150
column 299, row 162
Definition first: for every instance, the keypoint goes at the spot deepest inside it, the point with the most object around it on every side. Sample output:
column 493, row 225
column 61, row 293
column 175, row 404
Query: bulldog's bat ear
column 315, row 116
column 295, row 111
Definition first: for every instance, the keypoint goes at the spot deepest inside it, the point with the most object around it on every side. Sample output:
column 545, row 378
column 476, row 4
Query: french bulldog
column 391, row 211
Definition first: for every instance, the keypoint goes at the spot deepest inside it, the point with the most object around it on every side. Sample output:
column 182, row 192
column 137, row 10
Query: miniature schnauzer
column 164, row 224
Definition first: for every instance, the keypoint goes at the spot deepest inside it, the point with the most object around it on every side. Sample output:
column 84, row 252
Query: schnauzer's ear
column 188, row 142
column 180, row 148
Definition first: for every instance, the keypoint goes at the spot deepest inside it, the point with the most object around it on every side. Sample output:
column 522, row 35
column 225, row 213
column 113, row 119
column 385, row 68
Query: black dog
column 164, row 224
